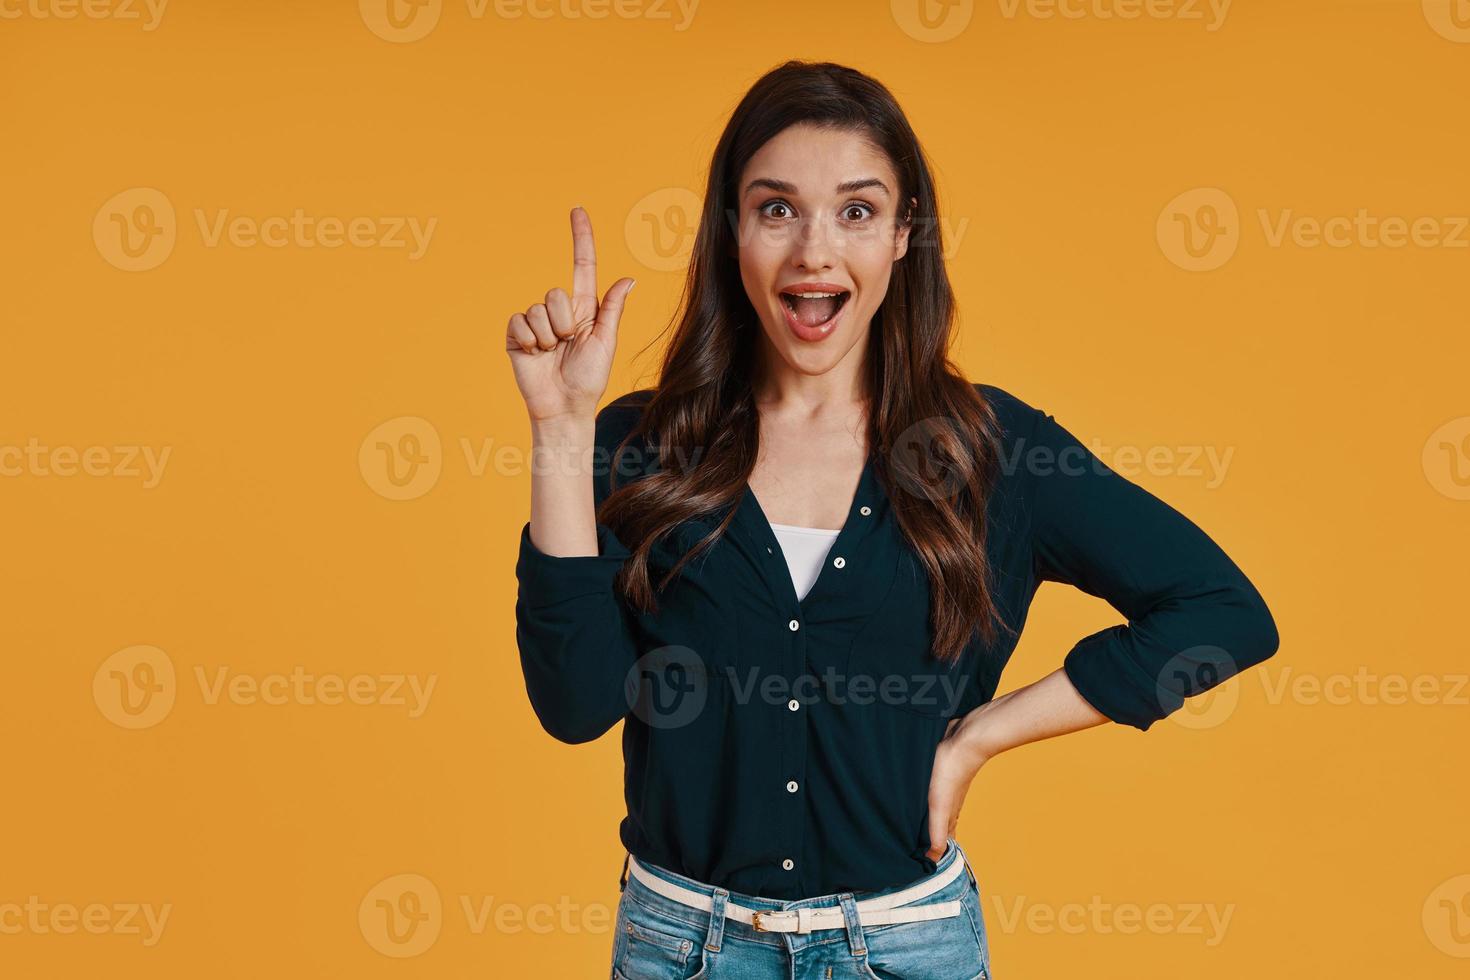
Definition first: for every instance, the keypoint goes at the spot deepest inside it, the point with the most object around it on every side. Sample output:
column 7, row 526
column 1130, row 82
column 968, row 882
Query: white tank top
column 805, row 549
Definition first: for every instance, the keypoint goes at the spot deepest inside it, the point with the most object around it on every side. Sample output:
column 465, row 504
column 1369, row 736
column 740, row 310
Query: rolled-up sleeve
column 1194, row 619
column 575, row 633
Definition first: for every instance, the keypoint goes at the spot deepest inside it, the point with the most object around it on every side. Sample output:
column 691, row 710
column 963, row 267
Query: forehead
column 816, row 159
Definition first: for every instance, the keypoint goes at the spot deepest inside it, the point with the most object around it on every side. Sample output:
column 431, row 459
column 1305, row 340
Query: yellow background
column 1330, row 829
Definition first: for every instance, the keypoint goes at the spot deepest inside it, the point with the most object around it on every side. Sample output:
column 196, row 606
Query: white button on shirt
column 805, row 549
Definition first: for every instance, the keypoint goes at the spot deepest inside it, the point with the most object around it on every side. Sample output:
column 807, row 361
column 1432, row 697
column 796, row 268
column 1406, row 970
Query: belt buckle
column 803, row 920
column 758, row 926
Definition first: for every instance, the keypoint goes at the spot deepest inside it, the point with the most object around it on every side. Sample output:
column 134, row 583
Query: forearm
column 563, row 514
column 1051, row 706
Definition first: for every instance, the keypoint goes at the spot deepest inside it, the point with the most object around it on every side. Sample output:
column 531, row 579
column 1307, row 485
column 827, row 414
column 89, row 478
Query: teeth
column 813, row 295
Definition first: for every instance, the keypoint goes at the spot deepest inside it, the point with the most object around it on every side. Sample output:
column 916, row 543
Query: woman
column 797, row 567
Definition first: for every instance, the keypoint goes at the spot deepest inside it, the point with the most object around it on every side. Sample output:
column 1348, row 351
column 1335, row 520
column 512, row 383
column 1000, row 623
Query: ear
column 901, row 235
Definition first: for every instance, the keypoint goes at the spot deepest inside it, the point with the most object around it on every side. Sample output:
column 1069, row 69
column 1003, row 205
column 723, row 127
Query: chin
column 811, row 364
column 807, row 359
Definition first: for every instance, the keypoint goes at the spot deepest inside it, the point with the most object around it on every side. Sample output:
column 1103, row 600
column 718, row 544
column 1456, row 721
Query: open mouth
column 812, row 309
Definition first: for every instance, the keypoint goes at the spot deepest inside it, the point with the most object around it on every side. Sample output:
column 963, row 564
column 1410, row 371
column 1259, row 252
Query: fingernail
column 632, row 284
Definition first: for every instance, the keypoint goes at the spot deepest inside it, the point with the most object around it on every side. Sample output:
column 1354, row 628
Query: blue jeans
column 658, row 938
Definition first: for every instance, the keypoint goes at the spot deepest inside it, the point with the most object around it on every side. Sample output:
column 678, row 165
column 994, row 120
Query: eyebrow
column 846, row 187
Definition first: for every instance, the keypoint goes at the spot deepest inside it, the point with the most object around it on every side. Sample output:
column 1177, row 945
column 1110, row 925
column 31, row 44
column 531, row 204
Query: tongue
column 813, row 312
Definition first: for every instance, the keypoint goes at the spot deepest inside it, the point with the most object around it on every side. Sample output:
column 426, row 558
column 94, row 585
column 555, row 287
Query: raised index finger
column 584, row 261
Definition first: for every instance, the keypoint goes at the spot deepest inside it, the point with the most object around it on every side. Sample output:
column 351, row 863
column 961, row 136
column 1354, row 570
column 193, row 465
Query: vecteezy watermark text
column 149, row 12
column 670, row 686
column 39, row 918
column 136, row 230
column 119, row 462
column 136, row 688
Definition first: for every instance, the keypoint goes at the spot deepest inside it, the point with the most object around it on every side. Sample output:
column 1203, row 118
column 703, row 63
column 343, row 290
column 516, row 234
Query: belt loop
column 716, row 934
column 855, row 937
column 968, row 870
column 623, row 880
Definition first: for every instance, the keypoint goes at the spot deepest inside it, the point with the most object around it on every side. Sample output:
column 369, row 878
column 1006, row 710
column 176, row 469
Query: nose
column 813, row 247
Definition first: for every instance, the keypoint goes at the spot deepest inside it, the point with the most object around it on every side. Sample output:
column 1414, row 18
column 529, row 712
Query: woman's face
column 818, row 210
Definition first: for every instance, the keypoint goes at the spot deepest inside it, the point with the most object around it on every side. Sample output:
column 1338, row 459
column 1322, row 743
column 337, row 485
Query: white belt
column 883, row 910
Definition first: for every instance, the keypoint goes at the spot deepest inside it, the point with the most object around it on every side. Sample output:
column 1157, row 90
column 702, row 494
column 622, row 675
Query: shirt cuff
column 1101, row 673
column 546, row 580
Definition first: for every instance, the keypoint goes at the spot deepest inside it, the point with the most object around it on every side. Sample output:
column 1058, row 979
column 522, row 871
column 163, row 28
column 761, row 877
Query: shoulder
column 1017, row 417
column 614, row 421
column 632, row 401
column 618, row 417
column 1033, row 445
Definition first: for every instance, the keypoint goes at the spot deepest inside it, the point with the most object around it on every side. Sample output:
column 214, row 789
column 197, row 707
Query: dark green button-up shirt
column 783, row 747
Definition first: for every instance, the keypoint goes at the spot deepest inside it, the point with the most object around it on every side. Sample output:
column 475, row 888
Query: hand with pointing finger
column 562, row 350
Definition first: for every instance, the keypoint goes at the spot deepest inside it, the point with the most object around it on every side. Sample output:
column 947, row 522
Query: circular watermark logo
column 1447, row 916
column 135, row 687
column 401, row 916
column 932, row 21
column 1199, row 229
column 401, row 459
column 1450, row 19
column 1446, row 458
column 661, row 228
column 400, row 21
column 1194, row 687
column 921, row 460
column 135, row 229
column 667, row 687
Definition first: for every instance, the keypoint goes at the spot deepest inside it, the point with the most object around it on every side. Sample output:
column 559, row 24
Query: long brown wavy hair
column 932, row 434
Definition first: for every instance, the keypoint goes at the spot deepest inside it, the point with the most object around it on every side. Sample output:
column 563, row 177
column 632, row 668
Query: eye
column 863, row 211
column 765, row 209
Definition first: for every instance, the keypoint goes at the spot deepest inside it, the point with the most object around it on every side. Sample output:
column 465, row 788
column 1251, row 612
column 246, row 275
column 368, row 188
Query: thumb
column 611, row 309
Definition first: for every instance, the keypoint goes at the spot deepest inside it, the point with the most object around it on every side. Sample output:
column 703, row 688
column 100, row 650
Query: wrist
column 563, row 448
column 978, row 737
column 564, row 429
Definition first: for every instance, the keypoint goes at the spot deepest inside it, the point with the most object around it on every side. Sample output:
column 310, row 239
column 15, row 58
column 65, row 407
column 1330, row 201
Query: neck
column 782, row 390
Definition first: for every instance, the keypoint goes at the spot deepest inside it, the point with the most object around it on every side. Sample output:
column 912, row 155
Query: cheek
column 758, row 268
column 869, row 259
column 873, row 271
